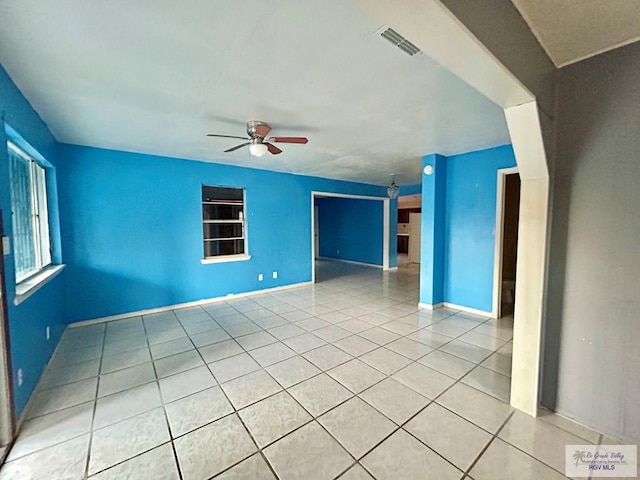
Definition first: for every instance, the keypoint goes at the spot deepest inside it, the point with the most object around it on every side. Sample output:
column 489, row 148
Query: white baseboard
column 206, row 301
column 363, row 264
column 453, row 306
column 391, row 269
column 622, row 440
column 475, row 311
column 428, row 306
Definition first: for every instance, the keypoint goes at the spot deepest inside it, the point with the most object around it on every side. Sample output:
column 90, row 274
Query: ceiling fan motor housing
column 253, row 127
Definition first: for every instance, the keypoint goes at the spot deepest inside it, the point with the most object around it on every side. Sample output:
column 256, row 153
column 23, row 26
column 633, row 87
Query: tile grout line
column 310, row 421
column 312, row 416
column 486, row 393
column 40, row 386
column 355, row 395
column 489, row 443
column 235, row 414
column 432, row 401
column 39, row 389
column 128, row 418
column 539, row 460
column 166, row 419
column 298, row 354
column 164, row 406
column 284, row 389
column 95, row 406
column 37, row 392
column 281, row 341
column 125, row 419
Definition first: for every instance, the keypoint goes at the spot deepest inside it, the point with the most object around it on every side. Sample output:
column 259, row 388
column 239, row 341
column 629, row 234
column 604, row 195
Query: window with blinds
column 29, row 216
column 223, row 221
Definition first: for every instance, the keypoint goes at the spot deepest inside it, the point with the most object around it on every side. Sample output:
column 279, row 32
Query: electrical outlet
column 260, row 277
column 48, row 333
column 6, row 245
column 20, row 379
column 275, row 274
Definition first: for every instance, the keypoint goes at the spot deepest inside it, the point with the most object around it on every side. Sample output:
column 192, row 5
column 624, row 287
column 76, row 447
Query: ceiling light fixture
column 393, row 189
column 258, row 149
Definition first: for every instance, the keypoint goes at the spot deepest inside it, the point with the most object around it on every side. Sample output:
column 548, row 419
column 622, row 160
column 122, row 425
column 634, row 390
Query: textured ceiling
column 156, row 76
column 572, row 30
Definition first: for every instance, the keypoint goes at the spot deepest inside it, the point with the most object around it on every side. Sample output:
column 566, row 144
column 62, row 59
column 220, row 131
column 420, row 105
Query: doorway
column 409, row 229
column 6, row 398
column 506, row 249
column 316, row 235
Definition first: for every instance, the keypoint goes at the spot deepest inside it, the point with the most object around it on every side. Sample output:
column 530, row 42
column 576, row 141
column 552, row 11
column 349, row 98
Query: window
column 223, row 221
column 31, row 245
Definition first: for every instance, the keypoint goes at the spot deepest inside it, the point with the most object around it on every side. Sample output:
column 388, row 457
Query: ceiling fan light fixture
column 256, row 139
column 258, row 149
column 393, row 189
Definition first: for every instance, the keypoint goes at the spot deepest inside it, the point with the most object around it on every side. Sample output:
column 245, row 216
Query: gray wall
column 593, row 304
column 591, row 368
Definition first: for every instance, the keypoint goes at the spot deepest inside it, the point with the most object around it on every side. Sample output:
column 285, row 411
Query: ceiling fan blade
column 289, row 139
column 262, row 130
column 272, row 148
column 226, row 136
column 237, row 147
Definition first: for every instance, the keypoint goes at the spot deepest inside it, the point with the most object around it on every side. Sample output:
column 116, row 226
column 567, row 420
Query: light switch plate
column 6, row 245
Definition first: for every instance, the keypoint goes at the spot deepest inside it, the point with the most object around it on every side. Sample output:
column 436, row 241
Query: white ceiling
column 572, row 30
column 155, row 76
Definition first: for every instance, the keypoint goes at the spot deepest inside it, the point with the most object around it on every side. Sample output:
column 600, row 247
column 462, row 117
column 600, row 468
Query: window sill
column 28, row 287
column 225, row 258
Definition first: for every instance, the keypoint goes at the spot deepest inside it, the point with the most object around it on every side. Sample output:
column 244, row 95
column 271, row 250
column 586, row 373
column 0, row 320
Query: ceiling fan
column 258, row 132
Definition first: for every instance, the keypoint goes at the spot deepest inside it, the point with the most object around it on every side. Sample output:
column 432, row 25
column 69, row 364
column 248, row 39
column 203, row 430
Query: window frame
column 39, row 222
column 242, row 221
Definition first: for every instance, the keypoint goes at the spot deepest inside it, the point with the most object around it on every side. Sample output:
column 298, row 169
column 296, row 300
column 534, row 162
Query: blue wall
column 411, row 189
column 132, row 232
column 469, row 230
column 27, row 322
column 132, row 235
column 351, row 229
column 432, row 245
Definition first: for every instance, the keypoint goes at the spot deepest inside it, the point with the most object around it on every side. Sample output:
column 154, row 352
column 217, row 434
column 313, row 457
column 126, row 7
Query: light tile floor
column 346, row 378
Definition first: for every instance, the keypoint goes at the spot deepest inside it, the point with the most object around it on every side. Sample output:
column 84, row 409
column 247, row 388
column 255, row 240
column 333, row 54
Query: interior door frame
column 7, row 419
column 499, row 239
column 316, row 234
column 385, row 225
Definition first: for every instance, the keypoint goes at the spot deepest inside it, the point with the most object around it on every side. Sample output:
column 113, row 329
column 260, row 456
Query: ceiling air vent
column 399, row 41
